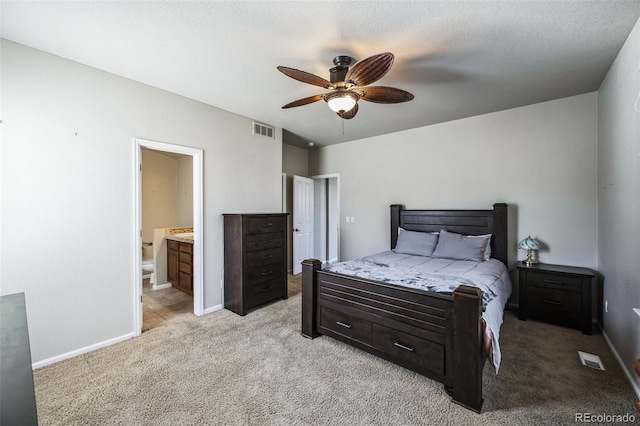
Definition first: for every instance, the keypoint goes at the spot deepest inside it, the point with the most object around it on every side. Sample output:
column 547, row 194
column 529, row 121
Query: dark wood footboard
column 438, row 336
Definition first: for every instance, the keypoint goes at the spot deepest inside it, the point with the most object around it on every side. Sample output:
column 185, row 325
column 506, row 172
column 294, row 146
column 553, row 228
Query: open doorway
column 154, row 241
column 326, row 215
column 316, row 219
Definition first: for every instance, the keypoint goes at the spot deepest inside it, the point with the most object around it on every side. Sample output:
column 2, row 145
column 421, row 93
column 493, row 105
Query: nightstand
column 557, row 294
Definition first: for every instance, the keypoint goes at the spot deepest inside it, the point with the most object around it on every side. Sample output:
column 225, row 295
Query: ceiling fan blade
column 304, row 101
column 306, row 77
column 384, row 95
column 348, row 115
column 370, row 69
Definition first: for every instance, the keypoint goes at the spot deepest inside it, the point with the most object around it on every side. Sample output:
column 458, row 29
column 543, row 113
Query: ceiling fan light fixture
column 341, row 101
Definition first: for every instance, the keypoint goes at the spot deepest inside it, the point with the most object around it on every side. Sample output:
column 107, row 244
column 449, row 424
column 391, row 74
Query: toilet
column 147, row 270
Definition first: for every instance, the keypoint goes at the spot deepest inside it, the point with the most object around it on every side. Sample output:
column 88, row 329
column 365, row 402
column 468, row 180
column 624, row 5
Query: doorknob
column 296, row 230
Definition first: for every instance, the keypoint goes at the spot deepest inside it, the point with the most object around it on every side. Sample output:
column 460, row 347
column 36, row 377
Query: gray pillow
column 461, row 247
column 415, row 243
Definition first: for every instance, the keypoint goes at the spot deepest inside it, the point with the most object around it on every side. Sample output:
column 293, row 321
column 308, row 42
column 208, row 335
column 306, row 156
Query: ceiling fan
column 349, row 85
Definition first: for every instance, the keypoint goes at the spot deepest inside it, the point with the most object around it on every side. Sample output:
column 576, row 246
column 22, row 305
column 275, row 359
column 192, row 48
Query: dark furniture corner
column 17, row 396
column 255, row 260
column 557, row 294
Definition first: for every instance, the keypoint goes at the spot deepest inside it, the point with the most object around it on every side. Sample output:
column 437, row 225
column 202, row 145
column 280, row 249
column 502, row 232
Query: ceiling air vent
column 263, row 130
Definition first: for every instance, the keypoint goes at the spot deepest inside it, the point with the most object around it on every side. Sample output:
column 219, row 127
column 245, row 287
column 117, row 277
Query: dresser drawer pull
column 267, row 288
column 344, row 324
column 265, row 241
column 267, row 225
column 401, row 346
column 267, row 257
column 264, row 274
column 552, row 282
column 553, row 302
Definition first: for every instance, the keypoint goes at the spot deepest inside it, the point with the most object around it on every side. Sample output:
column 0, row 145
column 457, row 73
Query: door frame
column 335, row 176
column 198, row 220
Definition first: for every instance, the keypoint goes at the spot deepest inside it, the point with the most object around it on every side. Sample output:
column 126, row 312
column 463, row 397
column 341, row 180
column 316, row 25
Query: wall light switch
column 347, row 219
column 353, row 219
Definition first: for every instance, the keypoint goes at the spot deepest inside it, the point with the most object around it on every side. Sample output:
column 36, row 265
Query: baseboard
column 213, row 309
column 81, row 351
column 160, row 286
column 626, row 371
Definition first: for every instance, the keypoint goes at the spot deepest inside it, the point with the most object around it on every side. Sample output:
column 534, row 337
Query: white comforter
column 440, row 275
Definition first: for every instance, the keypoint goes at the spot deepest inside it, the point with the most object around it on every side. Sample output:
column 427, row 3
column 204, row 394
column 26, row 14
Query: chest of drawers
column 556, row 293
column 255, row 261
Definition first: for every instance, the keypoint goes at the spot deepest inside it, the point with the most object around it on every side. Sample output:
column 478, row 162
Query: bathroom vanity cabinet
column 255, row 260
column 180, row 265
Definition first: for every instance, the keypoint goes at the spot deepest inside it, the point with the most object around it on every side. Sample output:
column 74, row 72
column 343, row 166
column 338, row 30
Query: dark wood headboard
column 468, row 222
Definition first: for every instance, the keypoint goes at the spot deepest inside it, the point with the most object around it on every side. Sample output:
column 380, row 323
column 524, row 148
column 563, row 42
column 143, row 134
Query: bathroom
column 167, row 210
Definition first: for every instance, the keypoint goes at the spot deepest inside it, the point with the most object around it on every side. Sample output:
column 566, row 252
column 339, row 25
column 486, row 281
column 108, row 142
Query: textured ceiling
column 459, row 58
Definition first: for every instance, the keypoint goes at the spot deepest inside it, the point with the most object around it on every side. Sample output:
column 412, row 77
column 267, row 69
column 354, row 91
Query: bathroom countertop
column 180, row 239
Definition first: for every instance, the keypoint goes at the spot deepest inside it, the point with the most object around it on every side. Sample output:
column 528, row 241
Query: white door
column 302, row 221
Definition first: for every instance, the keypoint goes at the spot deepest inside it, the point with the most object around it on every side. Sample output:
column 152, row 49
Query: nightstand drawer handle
column 401, row 346
column 264, row 274
column 267, row 288
column 267, row 225
column 344, row 324
column 553, row 302
column 266, row 257
column 552, row 282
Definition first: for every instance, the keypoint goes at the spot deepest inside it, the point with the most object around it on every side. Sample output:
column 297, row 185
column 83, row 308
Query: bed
column 441, row 336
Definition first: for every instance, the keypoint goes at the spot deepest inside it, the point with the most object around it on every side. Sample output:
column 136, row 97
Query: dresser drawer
column 346, row 324
column 264, row 257
column 409, row 350
column 558, row 306
column 265, row 224
column 265, row 241
column 269, row 272
column 265, row 292
column 186, row 247
column 555, row 281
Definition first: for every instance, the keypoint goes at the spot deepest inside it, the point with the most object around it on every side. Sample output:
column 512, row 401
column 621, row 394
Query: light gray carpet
column 258, row 370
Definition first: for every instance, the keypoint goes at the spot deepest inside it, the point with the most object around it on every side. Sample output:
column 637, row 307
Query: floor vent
column 590, row 360
column 263, row 130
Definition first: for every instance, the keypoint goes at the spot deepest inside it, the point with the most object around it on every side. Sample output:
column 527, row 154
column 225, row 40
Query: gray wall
column 541, row 159
column 619, row 201
column 68, row 191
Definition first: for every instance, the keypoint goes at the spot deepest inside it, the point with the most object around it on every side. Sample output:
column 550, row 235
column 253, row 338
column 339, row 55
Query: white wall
column 159, row 191
column 184, row 193
column 619, row 200
column 541, row 159
column 68, row 190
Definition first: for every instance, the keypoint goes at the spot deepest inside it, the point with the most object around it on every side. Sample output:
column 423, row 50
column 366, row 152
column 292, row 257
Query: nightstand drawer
column 555, row 281
column 558, row 306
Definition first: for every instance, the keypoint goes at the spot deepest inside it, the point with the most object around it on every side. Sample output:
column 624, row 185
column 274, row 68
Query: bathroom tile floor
column 159, row 307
